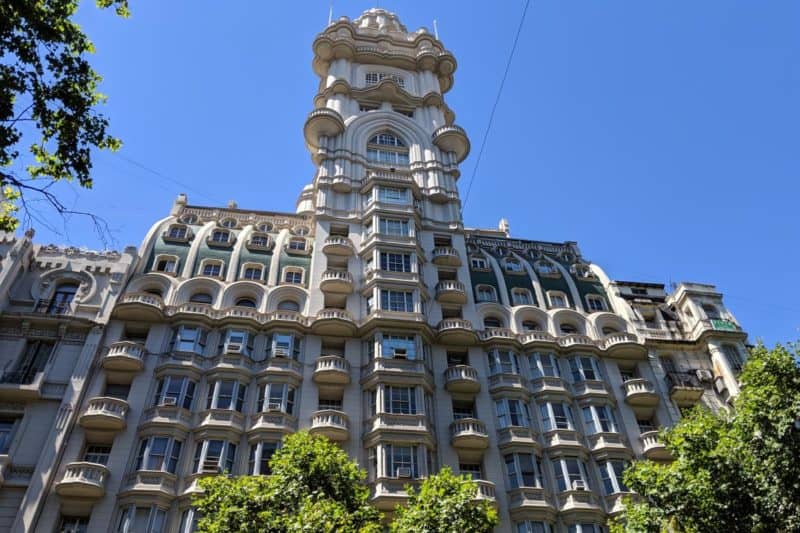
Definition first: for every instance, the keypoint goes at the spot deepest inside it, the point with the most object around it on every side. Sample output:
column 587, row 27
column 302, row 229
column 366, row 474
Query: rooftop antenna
column 435, row 30
column 330, row 14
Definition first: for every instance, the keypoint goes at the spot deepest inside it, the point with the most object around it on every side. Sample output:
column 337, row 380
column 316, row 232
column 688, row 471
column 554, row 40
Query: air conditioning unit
column 578, row 485
column 719, row 386
column 400, row 353
column 233, row 347
column 280, row 352
column 169, row 400
column 704, row 375
column 403, row 471
column 211, row 466
column 274, row 406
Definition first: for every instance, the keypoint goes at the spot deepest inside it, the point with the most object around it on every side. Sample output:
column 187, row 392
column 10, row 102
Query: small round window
column 300, row 230
column 265, row 227
column 228, row 223
column 189, row 218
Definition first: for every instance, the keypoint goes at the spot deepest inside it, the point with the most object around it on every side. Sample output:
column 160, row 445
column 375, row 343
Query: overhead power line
column 494, row 107
column 187, row 187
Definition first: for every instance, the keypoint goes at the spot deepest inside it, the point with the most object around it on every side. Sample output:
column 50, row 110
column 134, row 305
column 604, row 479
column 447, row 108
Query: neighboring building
column 54, row 305
column 371, row 316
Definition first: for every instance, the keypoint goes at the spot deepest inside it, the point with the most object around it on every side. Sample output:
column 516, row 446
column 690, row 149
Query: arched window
column 246, row 302
column 568, row 329
column 201, row 298
column 155, row 291
column 288, row 305
column 388, row 149
column 228, row 223
column 608, row 330
column 62, row 298
column 492, row 322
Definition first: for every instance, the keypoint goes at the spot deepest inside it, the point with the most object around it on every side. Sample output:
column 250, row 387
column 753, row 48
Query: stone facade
column 370, row 315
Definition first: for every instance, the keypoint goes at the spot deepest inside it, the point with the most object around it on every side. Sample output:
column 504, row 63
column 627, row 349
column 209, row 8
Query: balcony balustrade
column 462, row 378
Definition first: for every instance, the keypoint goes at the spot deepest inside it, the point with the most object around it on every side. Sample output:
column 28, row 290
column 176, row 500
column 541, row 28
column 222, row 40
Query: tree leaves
column 731, row 472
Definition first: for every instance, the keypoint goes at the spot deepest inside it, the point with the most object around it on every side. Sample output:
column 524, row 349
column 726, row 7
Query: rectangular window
column 159, row 453
column 596, row 304
column 400, row 301
column 570, row 473
column 503, row 362
column 259, row 240
column 395, row 262
column 166, row 265
column 252, row 273
column 403, row 346
column 521, row 297
column 190, row 339
column 7, row 426
column 220, row 236
column 734, row 357
column 97, row 454
column 558, row 300
column 512, row 413
column 74, row 524
column 277, row 397
column 583, row 368
column 473, row 470
column 394, row 227
column 400, row 400
column 297, row 244
column 401, row 461
column 293, row 276
column 478, row 263
column 33, row 361
column 393, row 195
column 175, row 391
column 260, row 455
column 522, row 470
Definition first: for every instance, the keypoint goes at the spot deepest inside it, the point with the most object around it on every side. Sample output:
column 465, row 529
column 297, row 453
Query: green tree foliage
column 445, row 503
column 48, row 100
column 314, row 487
column 738, row 472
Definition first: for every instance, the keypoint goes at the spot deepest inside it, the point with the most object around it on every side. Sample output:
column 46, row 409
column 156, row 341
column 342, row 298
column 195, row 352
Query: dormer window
column 512, row 265
column 486, row 293
column 252, row 272
column 374, row 78
column 478, row 263
column 260, row 241
column 177, row 232
column 298, row 245
column 595, row 303
column 387, row 149
column 546, row 268
column 557, row 299
column 521, row 297
column 264, row 227
column 293, row 275
column 220, row 236
column 212, row 268
column 168, row 264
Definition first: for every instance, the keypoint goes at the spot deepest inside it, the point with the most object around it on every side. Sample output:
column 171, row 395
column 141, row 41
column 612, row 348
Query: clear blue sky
column 662, row 136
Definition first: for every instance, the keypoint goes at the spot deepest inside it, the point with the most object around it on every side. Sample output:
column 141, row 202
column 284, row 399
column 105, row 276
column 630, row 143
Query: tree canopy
column 48, row 104
column 445, row 503
column 732, row 472
column 314, row 486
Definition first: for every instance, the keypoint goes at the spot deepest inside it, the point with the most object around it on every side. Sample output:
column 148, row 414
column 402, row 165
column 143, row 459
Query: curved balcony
column 640, row 392
column 684, row 388
column 124, row 356
column 105, row 413
column 469, row 433
column 336, row 282
column 456, row 331
column 331, row 370
column 332, row 424
column 334, row 322
column 446, row 256
column 322, row 122
column 139, row 306
column 462, row 378
column 503, row 335
column 335, row 245
column 451, row 292
column 452, row 139
column 531, row 338
column 624, row 345
column 653, row 448
column 486, row 490
column 575, row 341
column 83, row 480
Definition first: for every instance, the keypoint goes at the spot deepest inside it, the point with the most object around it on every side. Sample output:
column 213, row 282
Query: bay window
column 276, row 397
column 584, row 368
column 393, row 227
column 400, row 400
column 403, row 346
column 611, row 476
column 401, row 461
column 599, row 419
column 570, row 474
column 190, row 339
column 139, row 519
column 523, row 470
column 214, row 456
column 284, row 345
column 503, row 362
column 260, row 455
column 399, row 301
column 512, row 412
column 585, row 528
column 395, row 262
column 226, row 394
column 556, row 416
column 544, row 365
column 393, row 195
column 237, row 341
column 159, row 454
column 530, row 526
column 175, row 390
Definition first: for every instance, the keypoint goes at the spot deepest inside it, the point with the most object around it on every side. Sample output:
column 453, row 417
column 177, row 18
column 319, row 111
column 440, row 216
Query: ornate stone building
column 370, row 315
